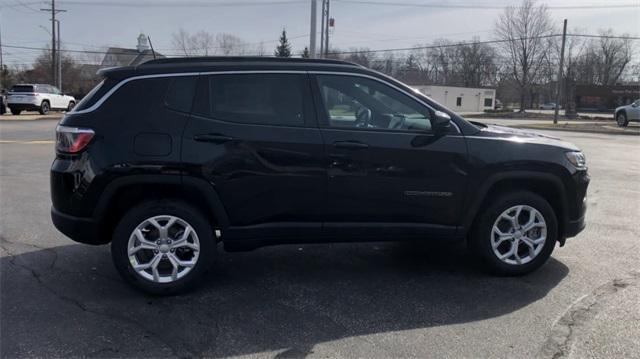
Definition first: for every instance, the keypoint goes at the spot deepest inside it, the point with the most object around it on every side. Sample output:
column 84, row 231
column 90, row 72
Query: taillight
column 72, row 139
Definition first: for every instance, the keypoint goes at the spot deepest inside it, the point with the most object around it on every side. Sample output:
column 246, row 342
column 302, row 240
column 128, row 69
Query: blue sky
column 89, row 25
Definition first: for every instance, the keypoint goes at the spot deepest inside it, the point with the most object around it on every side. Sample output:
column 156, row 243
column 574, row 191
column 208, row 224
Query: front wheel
column 621, row 119
column 515, row 234
column 163, row 247
column 71, row 106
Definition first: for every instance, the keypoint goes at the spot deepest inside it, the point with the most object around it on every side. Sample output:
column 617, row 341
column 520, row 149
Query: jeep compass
column 169, row 158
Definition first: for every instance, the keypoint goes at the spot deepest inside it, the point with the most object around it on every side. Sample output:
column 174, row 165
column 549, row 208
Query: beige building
column 460, row 99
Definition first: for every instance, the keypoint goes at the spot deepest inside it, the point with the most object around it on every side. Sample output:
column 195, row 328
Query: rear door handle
column 350, row 145
column 213, row 138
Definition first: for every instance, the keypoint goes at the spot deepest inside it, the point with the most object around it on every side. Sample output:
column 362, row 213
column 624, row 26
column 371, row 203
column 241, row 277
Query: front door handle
column 350, row 145
column 213, row 138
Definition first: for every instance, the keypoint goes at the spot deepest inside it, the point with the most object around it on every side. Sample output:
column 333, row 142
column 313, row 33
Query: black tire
column 145, row 210
column 621, row 119
column 480, row 239
column 16, row 112
column 71, row 106
column 44, row 108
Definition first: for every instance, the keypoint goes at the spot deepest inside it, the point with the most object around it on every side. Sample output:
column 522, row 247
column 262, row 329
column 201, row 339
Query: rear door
column 388, row 173
column 254, row 136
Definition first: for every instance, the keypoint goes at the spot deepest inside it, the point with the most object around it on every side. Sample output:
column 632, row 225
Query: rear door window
column 179, row 95
column 269, row 99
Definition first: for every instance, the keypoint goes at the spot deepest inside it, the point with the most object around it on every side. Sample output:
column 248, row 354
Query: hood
column 524, row 136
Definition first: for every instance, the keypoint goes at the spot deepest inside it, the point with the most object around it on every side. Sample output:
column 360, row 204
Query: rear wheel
column 163, row 247
column 44, row 107
column 16, row 111
column 621, row 119
column 515, row 234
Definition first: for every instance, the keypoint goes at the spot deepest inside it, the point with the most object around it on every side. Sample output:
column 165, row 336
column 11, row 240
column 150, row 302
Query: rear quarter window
column 95, row 94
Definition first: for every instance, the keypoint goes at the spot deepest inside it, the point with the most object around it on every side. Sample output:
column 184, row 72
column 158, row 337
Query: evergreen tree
column 305, row 53
column 284, row 48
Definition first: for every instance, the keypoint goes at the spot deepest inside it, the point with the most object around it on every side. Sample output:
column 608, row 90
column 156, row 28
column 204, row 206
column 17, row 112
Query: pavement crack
column 46, row 249
column 177, row 351
column 564, row 331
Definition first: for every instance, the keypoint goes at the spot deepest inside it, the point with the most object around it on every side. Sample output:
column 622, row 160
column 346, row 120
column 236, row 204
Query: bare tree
column 476, row 64
column 180, row 42
column 604, row 61
column 229, row 45
column 615, row 55
column 444, row 59
column 203, row 43
column 524, row 30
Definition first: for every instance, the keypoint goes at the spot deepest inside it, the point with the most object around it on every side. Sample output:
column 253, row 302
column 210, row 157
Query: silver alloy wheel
column 163, row 249
column 518, row 235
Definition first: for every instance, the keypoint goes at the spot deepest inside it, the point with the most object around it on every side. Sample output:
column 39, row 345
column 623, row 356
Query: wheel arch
column 545, row 185
column 123, row 193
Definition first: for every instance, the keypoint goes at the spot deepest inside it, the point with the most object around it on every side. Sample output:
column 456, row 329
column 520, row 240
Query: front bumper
column 80, row 229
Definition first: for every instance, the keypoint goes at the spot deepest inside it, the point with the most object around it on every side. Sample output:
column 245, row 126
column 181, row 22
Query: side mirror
column 441, row 122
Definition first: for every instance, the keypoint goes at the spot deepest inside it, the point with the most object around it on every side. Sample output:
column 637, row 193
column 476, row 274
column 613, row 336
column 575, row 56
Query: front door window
column 358, row 102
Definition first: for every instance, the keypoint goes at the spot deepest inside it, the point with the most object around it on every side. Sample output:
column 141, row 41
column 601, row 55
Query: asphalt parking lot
column 375, row 300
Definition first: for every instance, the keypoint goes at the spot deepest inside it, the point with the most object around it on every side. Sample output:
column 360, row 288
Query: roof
column 243, row 59
column 228, row 63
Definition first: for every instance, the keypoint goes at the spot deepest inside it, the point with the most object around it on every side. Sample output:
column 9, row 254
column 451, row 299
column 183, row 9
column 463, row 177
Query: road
column 377, row 300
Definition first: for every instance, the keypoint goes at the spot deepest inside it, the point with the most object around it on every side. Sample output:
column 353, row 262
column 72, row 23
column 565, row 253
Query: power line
column 165, row 4
column 462, row 43
column 441, row 46
column 606, row 36
column 482, row 6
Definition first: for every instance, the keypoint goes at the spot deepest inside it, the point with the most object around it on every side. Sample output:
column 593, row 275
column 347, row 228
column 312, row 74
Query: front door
column 388, row 173
column 254, row 136
column 634, row 111
column 56, row 98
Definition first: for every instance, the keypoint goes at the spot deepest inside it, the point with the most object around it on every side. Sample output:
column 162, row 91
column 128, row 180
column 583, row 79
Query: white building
column 460, row 99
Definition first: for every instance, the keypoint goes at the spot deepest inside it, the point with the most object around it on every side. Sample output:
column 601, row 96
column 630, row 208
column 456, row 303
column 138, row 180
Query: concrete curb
column 43, row 118
column 624, row 133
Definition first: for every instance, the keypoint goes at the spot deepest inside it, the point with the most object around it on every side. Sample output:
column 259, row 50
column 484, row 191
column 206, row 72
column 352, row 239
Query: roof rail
column 205, row 59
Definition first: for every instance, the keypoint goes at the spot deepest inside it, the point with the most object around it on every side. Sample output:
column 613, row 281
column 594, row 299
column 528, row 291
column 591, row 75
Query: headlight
column 577, row 159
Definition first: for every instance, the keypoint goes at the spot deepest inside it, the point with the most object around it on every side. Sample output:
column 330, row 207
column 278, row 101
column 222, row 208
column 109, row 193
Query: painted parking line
column 30, row 142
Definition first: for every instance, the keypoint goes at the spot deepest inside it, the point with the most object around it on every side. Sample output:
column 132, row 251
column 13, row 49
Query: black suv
column 168, row 158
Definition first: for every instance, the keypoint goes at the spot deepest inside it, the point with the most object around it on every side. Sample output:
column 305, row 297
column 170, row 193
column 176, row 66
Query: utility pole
column 559, row 79
column 322, row 23
column 312, row 32
column 1, row 51
column 53, row 11
column 59, row 57
column 326, row 30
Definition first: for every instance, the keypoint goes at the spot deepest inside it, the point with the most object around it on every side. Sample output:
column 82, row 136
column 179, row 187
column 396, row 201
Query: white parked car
column 548, row 106
column 38, row 97
column 625, row 114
